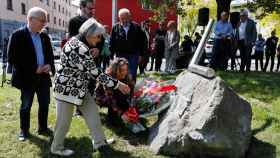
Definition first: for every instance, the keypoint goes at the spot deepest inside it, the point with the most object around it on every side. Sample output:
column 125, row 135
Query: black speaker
column 234, row 19
column 203, row 16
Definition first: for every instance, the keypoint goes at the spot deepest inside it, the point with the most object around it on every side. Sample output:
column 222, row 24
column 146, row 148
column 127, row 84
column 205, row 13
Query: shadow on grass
column 267, row 123
column 122, row 131
column 82, row 147
column 258, row 148
column 259, row 85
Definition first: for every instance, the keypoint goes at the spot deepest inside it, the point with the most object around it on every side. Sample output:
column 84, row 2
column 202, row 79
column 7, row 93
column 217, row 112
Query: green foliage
column 189, row 16
column 265, row 6
column 271, row 22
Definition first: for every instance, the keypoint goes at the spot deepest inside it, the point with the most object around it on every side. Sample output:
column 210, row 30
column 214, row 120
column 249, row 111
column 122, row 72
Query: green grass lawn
column 262, row 90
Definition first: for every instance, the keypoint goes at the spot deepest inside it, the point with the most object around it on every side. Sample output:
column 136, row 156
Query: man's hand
column 94, row 52
column 140, row 59
column 46, row 68
column 43, row 69
column 39, row 69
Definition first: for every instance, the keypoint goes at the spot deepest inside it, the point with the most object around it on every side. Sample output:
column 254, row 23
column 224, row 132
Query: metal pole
column 193, row 66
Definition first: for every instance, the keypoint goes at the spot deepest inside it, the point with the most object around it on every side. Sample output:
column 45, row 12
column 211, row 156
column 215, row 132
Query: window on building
column 146, row 6
column 59, row 8
column 62, row 10
column 54, row 5
column 23, row 9
column 48, row 2
column 59, row 22
column 66, row 12
column 54, row 20
column 63, row 23
column 48, row 17
column 66, row 1
column 10, row 4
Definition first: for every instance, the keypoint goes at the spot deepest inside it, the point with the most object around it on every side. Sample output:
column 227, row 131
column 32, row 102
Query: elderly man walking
column 30, row 53
column 127, row 40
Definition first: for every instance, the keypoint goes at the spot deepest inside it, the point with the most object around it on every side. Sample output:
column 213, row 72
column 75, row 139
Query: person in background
column 172, row 40
column 106, row 53
column 159, row 45
column 145, row 58
column 187, row 51
column 270, row 52
column 71, row 88
column 278, row 57
column 247, row 35
column 259, row 51
column 117, row 102
column 127, row 41
column 30, row 53
column 222, row 43
column 197, row 39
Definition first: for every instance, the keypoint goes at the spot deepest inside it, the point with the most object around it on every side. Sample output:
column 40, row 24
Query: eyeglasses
column 41, row 20
column 99, row 36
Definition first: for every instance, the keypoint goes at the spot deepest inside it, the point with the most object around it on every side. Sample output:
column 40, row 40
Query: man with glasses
column 247, row 35
column 30, row 53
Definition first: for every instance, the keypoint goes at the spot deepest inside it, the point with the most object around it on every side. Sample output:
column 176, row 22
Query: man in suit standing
column 247, row 36
column 31, row 55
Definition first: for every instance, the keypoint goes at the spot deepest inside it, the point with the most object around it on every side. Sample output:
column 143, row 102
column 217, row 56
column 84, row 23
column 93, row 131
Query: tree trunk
column 222, row 5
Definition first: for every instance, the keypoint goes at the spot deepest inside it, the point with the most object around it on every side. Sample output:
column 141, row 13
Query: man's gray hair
column 36, row 12
column 245, row 12
column 91, row 27
column 123, row 11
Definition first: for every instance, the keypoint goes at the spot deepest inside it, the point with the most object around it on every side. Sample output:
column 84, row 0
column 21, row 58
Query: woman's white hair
column 91, row 27
column 123, row 11
column 36, row 12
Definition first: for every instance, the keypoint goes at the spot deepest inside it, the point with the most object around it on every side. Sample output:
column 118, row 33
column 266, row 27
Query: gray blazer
column 251, row 32
column 174, row 44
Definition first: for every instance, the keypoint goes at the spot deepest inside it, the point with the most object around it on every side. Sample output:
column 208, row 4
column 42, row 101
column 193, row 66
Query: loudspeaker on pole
column 203, row 16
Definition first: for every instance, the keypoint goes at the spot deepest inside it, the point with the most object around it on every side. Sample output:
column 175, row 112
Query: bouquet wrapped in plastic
column 151, row 97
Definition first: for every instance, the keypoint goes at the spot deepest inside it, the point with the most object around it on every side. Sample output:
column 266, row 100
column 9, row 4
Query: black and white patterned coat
column 77, row 68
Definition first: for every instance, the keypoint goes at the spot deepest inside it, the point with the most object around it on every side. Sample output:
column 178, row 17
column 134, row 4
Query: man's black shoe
column 23, row 136
column 45, row 132
column 105, row 150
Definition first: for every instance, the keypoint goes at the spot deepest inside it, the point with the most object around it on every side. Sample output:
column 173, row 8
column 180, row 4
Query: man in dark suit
column 247, row 35
column 31, row 55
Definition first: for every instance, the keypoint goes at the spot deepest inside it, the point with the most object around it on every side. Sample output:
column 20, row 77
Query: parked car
column 56, row 49
column 209, row 47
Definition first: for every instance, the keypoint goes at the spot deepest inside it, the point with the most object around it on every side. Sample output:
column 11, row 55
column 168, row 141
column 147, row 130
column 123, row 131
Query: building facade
column 13, row 16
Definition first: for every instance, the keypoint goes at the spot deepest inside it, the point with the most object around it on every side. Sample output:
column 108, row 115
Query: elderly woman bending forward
column 71, row 86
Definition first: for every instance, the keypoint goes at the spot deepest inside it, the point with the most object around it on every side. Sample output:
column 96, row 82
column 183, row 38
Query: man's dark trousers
column 245, row 54
column 42, row 90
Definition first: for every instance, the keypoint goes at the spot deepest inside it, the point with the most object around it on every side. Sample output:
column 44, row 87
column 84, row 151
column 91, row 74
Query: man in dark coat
column 31, row 55
column 128, row 41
